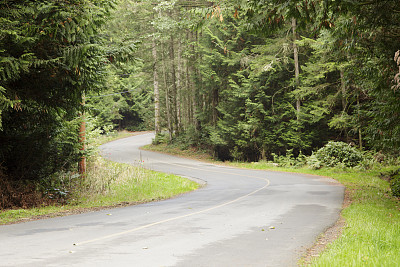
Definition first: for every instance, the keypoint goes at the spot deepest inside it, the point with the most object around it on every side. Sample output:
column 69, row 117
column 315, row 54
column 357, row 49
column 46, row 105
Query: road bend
column 238, row 217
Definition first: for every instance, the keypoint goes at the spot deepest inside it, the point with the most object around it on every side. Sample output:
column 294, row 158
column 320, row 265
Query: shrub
column 336, row 154
column 161, row 138
column 289, row 160
column 313, row 162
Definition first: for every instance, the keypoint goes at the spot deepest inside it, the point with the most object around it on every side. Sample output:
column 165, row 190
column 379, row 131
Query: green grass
column 15, row 215
column 371, row 236
column 107, row 184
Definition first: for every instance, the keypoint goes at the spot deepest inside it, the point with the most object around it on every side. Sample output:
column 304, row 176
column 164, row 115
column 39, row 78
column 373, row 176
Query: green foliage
column 126, row 99
column 36, row 144
column 336, row 154
column 313, row 162
column 247, row 76
column 51, row 53
column 289, row 160
column 161, row 138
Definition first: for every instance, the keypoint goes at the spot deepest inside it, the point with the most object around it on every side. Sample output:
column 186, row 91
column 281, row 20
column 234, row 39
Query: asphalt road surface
column 238, row 218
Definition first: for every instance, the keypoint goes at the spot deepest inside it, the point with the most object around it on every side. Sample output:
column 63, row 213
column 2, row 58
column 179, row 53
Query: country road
column 238, row 218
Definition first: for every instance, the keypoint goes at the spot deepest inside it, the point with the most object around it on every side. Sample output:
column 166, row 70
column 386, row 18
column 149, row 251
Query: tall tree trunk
column 167, row 100
column 157, row 125
column 344, row 101
column 174, row 92
column 82, row 141
column 193, row 91
column 179, row 87
column 214, row 101
column 197, row 103
column 189, row 93
column 296, row 66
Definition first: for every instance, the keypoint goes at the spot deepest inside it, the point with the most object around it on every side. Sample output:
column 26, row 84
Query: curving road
column 239, row 218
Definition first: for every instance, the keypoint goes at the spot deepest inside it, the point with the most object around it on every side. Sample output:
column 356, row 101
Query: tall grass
column 105, row 184
column 110, row 183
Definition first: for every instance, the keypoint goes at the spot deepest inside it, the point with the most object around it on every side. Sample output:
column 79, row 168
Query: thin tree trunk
column 193, row 91
column 167, row 101
column 196, row 96
column 82, row 140
column 189, row 92
column 296, row 67
column 174, row 87
column 214, row 106
column 344, row 101
column 157, row 125
column 179, row 87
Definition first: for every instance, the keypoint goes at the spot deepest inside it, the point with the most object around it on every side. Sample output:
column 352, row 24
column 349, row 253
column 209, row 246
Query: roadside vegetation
column 371, row 235
column 107, row 184
column 303, row 86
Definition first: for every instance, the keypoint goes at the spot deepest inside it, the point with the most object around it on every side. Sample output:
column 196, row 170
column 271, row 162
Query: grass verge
column 107, row 184
column 371, row 235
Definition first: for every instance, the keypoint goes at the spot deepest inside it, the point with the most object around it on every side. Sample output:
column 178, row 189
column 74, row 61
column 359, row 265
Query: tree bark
column 296, row 67
column 174, row 87
column 188, row 90
column 157, row 125
column 167, row 100
column 192, row 72
column 179, row 87
column 215, row 98
column 344, row 100
column 82, row 141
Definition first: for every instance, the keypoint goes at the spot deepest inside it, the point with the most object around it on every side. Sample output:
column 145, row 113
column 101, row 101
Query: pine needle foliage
column 51, row 53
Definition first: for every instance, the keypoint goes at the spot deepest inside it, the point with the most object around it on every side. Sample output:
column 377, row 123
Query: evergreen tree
column 51, row 55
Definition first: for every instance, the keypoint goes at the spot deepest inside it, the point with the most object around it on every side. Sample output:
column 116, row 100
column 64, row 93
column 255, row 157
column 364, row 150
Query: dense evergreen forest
column 247, row 80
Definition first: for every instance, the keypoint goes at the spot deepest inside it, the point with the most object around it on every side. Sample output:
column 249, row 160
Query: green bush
column 336, row 154
column 395, row 185
column 161, row 138
column 289, row 160
column 313, row 162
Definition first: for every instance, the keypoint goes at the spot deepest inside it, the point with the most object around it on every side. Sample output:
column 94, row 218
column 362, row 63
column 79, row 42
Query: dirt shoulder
column 327, row 237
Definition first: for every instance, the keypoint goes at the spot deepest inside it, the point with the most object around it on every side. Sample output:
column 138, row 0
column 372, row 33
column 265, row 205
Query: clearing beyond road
column 239, row 218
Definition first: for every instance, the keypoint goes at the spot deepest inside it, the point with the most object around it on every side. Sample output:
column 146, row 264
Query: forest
column 245, row 80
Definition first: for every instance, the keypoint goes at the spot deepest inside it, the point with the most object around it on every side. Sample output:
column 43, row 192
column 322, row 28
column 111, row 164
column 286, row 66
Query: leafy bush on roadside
column 289, row 160
column 313, row 162
column 336, row 154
